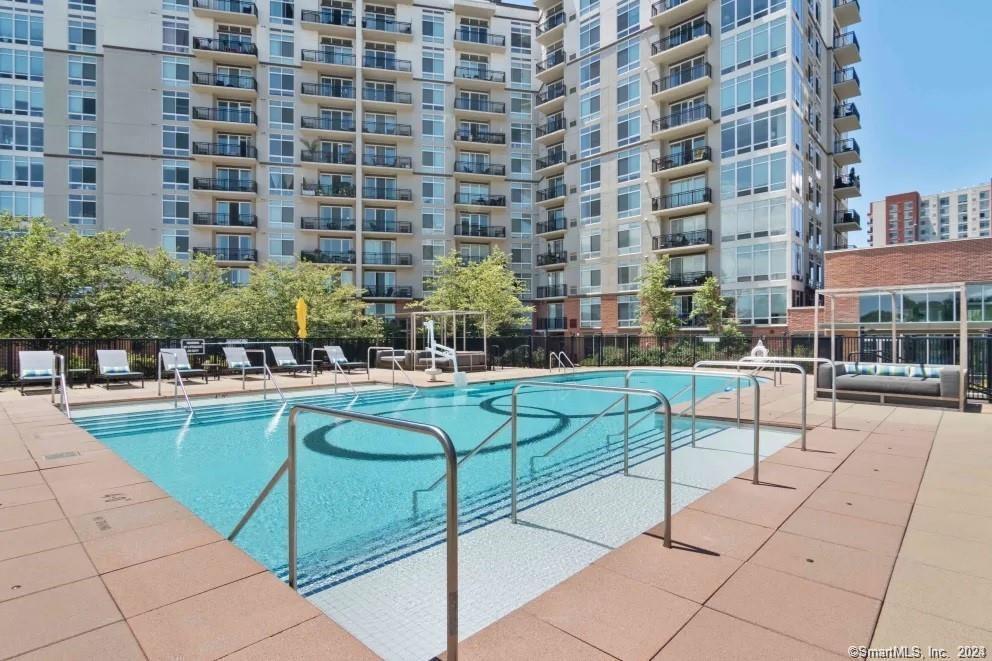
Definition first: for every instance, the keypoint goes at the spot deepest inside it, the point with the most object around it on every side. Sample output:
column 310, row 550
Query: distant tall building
column 914, row 218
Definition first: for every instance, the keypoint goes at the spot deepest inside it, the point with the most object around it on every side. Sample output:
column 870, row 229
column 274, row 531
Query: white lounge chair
column 286, row 361
column 335, row 355
column 237, row 360
column 176, row 360
column 36, row 368
column 112, row 365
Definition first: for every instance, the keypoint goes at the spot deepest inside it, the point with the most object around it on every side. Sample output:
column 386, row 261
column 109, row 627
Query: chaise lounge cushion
column 890, row 385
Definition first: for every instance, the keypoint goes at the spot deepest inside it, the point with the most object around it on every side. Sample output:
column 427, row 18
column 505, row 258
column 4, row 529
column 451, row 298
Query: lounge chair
column 336, row 357
column 36, row 368
column 113, row 366
column 176, row 360
column 237, row 359
column 286, row 362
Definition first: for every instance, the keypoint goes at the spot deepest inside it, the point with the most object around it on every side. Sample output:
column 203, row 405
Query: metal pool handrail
column 654, row 394
column 268, row 373
column 395, row 364
column 58, row 368
column 334, row 367
column 815, row 361
column 578, row 431
column 561, row 357
column 650, row 413
column 177, row 380
column 451, row 537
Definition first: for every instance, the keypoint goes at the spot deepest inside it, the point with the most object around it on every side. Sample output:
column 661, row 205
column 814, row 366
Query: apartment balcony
column 683, row 123
column 551, row 28
column 480, row 76
column 551, row 194
column 480, row 138
column 386, row 163
column 377, row 226
column 551, row 324
column 682, row 242
column 328, row 157
column 847, row 220
column 225, row 152
column 480, row 231
column 688, row 41
column 231, row 86
column 468, row 260
column 337, row 22
column 847, row 152
column 225, row 220
column 552, row 291
column 385, row 99
column 381, row 62
column 551, row 163
column 688, row 279
column 331, row 191
column 329, row 60
column 552, row 129
column 847, row 12
column 387, row 194
column 328, row 94
column 673, row 12
column 552, row 259
column 846, row 117
column 387, row 259
column 682, row 203
column 847, row 85
column 846, row 49
column 478, row 40
column 551, row 67
column 386, row 291
column 847, row 186
column 324, row 224
column 224, row 50
column 240, row 188
column 328, row 257
column 239, row 12
column 478, row 108
column 685, row 83
column 479, row 170
column 553, row 225
column 387, row 129
column 388, row 26
column 339, row 127
column 479, row 202
column 551, row 98
column 229, row 254
column 682, row 163
column 243, row 118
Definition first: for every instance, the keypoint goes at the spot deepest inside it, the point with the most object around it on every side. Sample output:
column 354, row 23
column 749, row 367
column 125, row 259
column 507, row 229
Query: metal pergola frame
column 454, row 316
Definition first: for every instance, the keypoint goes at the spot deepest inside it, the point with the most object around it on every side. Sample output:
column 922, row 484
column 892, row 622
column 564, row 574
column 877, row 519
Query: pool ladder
column 561, row 358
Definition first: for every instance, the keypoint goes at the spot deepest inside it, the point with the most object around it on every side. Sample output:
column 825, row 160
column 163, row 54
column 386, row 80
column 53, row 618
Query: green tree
column 709, row 306
column 658, row 299
column 487, row 286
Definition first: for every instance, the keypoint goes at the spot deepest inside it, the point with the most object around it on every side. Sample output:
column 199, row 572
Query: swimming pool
column 357, row 482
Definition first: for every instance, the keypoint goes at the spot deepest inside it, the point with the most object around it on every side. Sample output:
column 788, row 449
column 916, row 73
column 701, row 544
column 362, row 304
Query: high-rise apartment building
column 914, row 218
column 580, row 139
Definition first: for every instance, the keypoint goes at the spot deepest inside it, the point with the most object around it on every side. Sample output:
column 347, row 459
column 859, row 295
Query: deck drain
column 809, row 560
column 61, row 455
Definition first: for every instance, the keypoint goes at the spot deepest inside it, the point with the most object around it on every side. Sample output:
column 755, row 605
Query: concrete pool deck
column 878, row 534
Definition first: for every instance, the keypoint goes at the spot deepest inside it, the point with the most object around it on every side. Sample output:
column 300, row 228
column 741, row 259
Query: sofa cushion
column 922, row 371
column 890, row 385
column 893, row 370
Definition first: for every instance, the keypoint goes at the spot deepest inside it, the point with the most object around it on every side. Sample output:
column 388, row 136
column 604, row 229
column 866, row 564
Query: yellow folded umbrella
column 301, row 318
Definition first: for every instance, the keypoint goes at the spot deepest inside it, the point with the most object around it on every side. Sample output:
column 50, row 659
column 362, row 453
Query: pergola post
column 963, row 351
column 892, row 298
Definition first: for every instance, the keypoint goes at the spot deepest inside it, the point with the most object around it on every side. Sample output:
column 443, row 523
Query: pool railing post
column 693, row 378
column 738, row 401
column 451, row 549
column 513, row 455
column 757, row 427
column 802, row 371
column 291, row 483
column 668, row 473
column 626, row 434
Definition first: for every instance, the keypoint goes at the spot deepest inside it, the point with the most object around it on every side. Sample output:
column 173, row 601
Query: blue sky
column 926, row 102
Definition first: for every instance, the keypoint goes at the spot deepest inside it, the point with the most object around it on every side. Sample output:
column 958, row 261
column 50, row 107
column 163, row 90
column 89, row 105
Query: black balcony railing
column 847, row 181
column 679, row 159
column 841, row 3
column 327, row 190
column 472, row 259
column 487, row 137
column 664, row 5
column 847, row 145
column 342, row 17
column 328, row 257
column 683, row 199
column 676, row 119
column 387, row 226
column 225, row 185
column 479, row 36
column 386, row 24
column 387, row 128
column 553, row 59
column 387, row 161
column 327, row 224
column 488, row 231
column 228, row 80
column 386, row 62
column 225, row 219
column 229, row 254
column 551, row 323
column 846, row 75
column 231, row 150
column 330, row 156
column 556, row 123
column 847, row 216
column 225, row 45
column 387, row 96
column 331, row 123
column 480, row 200
column 551, row 192
column 682, row 239
column 233, row 6
column 387, row 258
column 551, row 22
column 842, row 110
column 682, row 77
column 388, row 291
column 478, row 167
column 551, row 92
column 846, row 39
column 328, row 56
column 689, row 278
column 552, row 291
column 550, row 258
column 552, row 224
column 480, row 73
column 234, row 115
column 682, row 36
column 480, row 105
column 332, row 90
column 387, row 193
column 555, row 158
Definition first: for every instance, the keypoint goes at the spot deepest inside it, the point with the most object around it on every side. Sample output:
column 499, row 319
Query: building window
column 520, row 73
column 628, row 92
column 432, row 27
column 521, row 104
column 590, row 244
column 281, row 247
column 628, row 56
column 432, row 63
column 281, row 46
column 589, row 36
column 281, row 11
column 281, row 115
column 628, row 128
column 589, row 72
column 175, row 175
column 520, row 38
column 629, row 201
column 432, row 126
column 433, row 190
column 22, row 171
column 82, row 210
column 281, row 81
column 22, row 100
column 590, row 280
column 589, row 141
column 628, row 311
column 82, row 5
column 432, row 159
column 432, row 96
column 589, row 209
column 22, row 27
column 22, row 64
column 628, row 238
column 587, row 6
column 281, row 148
column 520, row 225
column 175, row 34
column 628, row 276
column 175, row 71
column 175, row 140
column 175, row 210
column 22, row 136
column 82, row 35
column 281, row 213
column 628, row 18
column 175, row 106
column 589, row 175
column 82, row 175
column 176, row 243
column 432, row 250
column 628, row 165
column 589, row 106
column 281, row 181
column 589, row 312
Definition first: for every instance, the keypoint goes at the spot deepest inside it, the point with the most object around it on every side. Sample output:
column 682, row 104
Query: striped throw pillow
column 116, row 369
column 287, row 362
column 239, row 364
column 866, row 369
column 182, row 366
column 893, row 370
column 923, row 372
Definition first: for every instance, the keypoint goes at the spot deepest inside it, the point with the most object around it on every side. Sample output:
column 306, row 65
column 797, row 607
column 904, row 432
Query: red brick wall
column 898, row 200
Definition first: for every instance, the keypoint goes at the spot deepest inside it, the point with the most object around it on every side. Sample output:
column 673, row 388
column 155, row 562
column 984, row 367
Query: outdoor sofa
column 893, row 383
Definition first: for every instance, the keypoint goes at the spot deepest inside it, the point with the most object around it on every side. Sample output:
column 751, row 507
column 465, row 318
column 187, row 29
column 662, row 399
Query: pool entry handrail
column 288, row 468
column 814, row 361
column 394, row 361
column 58, row 377
column 177, row 382
column 561, row 358
column 334, row 367
column 266, row 375
column 654, row 394
column 582, row 427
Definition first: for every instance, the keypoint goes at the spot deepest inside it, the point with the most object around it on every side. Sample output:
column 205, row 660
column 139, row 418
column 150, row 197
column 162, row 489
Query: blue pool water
column 356, row 481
